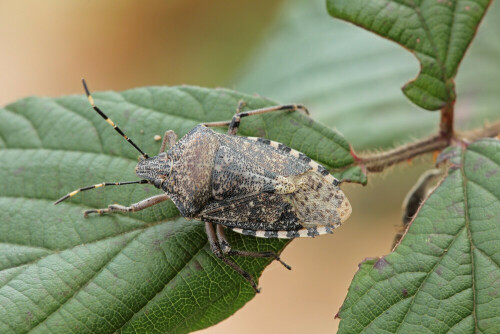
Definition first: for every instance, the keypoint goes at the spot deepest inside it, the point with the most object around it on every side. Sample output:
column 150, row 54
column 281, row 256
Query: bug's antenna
column 105, row 184
column 110, row 122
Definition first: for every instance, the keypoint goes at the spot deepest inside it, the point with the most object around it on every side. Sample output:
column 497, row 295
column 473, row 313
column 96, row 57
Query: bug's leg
column 214, row 246
column 169, row 138
column 235, row 122
column 227, row 250
column 217, row 124
column 146, row 203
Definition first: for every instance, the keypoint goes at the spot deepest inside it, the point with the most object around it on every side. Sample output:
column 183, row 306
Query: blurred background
column 286, row 50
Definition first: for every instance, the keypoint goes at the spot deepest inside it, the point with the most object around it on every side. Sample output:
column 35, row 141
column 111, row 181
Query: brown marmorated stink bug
column 252, row 186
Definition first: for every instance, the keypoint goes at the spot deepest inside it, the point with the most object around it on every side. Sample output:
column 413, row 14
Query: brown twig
column 377, row 162
column 446, row 124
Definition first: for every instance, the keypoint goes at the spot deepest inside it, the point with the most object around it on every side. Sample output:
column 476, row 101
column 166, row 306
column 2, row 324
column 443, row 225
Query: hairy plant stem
column 377, row 162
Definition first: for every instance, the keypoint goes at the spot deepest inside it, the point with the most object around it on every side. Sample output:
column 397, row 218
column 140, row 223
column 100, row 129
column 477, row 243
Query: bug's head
column 156, row 169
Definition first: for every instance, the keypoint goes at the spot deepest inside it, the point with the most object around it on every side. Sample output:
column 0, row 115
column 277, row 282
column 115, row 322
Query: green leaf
column 148, row 271
column 354, row 174
column 437, row 32
column 445, row 274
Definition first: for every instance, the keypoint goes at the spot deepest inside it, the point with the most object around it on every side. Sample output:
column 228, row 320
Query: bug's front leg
column 146, row 203
column 214, row 247
column 227, row 250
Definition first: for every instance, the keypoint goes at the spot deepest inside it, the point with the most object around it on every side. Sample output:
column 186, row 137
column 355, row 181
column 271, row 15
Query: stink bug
column 252, row 186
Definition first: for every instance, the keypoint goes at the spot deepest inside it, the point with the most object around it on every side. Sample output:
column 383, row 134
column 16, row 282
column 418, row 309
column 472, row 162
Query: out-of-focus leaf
column 351, row 78
column 148, row 271
column 445, row 274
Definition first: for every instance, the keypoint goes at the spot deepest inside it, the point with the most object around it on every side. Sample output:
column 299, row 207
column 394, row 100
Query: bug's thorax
column 189, row 184
column 156, row 169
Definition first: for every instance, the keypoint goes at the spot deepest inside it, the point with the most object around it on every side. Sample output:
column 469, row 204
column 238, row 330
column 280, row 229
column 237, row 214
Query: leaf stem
column 446, row 124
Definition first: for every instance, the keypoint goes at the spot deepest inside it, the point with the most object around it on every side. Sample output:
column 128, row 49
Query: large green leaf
column 445, row 275
column 437, row 32
column 148, row 271
column 351, row 78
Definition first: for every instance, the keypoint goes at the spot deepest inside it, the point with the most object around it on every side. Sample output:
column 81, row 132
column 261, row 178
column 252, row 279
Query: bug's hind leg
column 227, row 250
column 146, row 203
column 235, row 122
column 214, row 246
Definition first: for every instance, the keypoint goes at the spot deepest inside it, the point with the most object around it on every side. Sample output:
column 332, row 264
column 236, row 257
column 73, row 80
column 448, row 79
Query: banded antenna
column 110, row 122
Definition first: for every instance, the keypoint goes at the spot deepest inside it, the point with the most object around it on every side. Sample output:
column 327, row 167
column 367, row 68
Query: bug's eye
column 158, row 182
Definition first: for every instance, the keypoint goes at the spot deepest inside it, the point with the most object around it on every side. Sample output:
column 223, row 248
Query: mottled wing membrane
column 317, row 202
column 261, row 211
column 274, row 157
column 235, row 174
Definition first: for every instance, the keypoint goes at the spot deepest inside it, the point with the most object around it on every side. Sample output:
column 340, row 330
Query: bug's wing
column 258, row 187
column 314, row 205
column 237, row 173
column 256, row 211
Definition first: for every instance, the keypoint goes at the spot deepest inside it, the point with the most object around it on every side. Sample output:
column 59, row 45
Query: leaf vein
column 469, row 236
column 9, row 108
column 427, row 276
column 96, row 273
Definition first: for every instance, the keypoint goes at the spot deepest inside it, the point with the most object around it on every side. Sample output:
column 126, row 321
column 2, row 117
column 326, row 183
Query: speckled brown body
column 251, row 185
